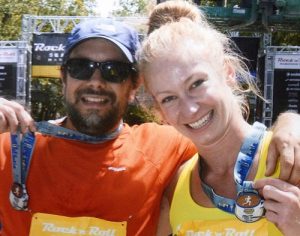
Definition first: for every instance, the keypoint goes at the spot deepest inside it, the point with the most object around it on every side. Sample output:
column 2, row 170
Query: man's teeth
column 200, row 123
column 93, row 99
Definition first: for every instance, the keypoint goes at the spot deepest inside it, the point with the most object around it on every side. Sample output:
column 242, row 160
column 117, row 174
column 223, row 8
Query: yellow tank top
column 189, row 218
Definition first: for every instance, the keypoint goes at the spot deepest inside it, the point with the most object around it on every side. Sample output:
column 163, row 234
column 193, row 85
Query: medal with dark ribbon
column 248, row 206
column 21, row 147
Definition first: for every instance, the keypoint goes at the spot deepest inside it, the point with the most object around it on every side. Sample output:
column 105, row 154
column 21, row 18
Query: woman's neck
column 220, row 157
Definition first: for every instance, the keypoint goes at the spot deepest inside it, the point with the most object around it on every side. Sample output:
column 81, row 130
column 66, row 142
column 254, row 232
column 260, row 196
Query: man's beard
column 92, row 123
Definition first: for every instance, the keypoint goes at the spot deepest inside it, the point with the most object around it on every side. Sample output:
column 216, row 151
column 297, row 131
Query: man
column 108, row 180
column 88, row 173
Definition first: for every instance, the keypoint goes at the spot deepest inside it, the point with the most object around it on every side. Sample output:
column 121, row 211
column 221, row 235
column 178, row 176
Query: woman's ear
column 63, row 79
column 132, row 94
column 229, row 74
column 135, row 86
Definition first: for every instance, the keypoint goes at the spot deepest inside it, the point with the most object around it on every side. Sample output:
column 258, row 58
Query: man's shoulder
column 155, row 129
column 159, row 136
column 4, row 138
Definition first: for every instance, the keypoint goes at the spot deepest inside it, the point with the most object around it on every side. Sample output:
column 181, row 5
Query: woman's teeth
column 200, row 123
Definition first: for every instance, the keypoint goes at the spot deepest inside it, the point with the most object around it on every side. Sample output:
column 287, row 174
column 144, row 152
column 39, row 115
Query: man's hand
column 285, row 144
column 282, row 204
column 14, row 116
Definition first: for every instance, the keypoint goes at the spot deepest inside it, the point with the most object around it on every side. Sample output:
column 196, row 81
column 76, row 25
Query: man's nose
column 96, row 78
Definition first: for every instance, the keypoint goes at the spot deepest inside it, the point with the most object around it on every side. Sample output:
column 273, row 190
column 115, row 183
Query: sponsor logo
column 41, row 47
column 93, row 230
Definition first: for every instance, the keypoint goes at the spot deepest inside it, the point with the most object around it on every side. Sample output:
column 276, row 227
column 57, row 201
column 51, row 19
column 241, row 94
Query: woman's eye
column 168, row 99
column 196, row 84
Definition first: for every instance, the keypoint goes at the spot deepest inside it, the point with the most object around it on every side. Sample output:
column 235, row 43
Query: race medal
column 18, row 197
column 249, row 206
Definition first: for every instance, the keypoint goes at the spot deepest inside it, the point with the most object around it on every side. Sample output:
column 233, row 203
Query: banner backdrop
column 249, row 47
column 47, row 54
column 8, row 75
column 8, row 72
column 286, row 84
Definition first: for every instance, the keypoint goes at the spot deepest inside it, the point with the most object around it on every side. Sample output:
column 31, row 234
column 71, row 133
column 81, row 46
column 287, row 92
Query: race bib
column 222, row 228
column 54, row 225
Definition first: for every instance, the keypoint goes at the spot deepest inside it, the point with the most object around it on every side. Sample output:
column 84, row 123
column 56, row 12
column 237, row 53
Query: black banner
column 249, row 47
column 286, row 95
column 48, row 49
column 47, row 54
column 8, row 78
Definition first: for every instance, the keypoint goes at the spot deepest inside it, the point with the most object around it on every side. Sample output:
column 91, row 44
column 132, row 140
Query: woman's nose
column 189, row 106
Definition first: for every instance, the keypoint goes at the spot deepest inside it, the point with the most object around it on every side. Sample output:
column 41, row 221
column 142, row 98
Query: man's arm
column 285, row 144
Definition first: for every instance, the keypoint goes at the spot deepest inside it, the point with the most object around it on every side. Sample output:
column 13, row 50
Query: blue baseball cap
column 125, row 37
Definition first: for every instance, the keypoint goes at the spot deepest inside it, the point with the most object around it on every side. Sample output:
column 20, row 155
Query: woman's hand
column 282, row 204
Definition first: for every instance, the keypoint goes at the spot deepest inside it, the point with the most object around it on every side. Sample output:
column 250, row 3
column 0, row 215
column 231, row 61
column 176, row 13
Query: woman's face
column 192, row 92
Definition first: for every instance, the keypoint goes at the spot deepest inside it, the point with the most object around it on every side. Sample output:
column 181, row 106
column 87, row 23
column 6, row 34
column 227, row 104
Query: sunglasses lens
column 112, row 71
column 80, row 69
column 116, row 72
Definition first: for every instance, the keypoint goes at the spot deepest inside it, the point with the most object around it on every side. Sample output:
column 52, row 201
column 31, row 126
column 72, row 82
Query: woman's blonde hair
column 187, row 32
column 171, row 11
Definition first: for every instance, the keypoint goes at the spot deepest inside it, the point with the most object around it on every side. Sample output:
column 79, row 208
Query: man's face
column 96, row 106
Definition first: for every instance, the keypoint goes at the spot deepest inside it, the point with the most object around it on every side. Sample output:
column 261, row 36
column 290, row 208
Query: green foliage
column 286, row 38
column 219, row 2
column 137, row 114
column 131, row 8
column 11, row 12
column 46, row 99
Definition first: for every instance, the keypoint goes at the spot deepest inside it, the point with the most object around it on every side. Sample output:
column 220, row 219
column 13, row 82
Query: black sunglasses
column 112, row 71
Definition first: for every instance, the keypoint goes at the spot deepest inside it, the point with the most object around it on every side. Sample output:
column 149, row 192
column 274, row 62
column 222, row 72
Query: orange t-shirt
column 120, row 180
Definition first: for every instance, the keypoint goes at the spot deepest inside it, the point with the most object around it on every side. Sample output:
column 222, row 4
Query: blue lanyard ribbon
column 21, row 149
column 247, row 154
column 22, row 146
column 48, row 128
column 241, row 169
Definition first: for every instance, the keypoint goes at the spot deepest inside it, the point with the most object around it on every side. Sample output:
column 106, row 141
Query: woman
column 199, row 83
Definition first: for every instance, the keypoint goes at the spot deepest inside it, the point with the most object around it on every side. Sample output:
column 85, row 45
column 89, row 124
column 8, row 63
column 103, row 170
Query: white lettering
column 227, row 232
column 43, row 48
column 48, row 227
column 233, row 232
column 98, row 232
column 81, row 232
column 198, row 233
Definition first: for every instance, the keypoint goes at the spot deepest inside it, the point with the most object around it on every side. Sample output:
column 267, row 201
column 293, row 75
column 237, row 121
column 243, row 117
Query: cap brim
column 125, row 51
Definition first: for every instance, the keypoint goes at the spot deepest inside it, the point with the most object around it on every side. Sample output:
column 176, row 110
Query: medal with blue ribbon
column 22, row 146
column 21, row 151
column 248, row 206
